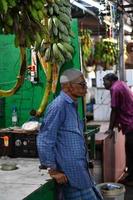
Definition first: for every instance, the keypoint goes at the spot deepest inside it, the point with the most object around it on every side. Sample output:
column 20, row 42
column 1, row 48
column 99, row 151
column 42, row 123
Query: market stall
column 93, row 41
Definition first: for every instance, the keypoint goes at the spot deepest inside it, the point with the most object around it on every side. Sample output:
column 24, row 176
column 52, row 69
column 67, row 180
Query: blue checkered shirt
column 61, row 144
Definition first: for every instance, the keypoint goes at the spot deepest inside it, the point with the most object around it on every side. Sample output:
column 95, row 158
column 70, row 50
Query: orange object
column 6, row 140
column 55, row 74
column 31, row 68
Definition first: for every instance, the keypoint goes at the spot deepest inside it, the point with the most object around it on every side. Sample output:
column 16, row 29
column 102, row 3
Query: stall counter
column 26, row 182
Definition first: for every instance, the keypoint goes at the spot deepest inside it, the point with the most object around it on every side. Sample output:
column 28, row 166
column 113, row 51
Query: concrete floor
column 19, row 183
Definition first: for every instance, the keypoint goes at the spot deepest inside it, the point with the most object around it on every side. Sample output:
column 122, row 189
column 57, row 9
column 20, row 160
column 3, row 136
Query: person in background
column 60, row 142
column 122, row 116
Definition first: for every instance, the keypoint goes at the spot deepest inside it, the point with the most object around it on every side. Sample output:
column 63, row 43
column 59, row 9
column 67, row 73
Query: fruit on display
column 23, row 19
column 55, row 48
column 44, row 25
column 106, row 53
column 103, row 52
column 56, row 45
column 86, row 46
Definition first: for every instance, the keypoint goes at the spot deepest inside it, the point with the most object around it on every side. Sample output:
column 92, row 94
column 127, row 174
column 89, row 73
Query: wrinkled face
column 107, row 83
column 78, row 87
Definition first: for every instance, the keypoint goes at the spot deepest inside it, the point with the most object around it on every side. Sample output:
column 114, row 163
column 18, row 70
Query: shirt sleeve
column 46, row 140
column 115, row 98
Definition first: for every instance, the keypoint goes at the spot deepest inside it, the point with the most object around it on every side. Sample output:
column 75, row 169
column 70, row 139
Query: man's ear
column 66, row 87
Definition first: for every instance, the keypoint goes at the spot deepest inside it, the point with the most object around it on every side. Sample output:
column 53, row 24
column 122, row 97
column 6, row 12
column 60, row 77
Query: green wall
column 29, row 96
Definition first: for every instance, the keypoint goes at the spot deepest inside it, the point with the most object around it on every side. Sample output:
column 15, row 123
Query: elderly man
column 122, row 115
column 61, row 143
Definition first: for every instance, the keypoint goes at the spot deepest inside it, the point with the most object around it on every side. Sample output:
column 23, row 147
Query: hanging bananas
column 26, row 20
column 23, row 18
column 57, row 47
column 44, row 24
column 106, row 53
column 86, row 46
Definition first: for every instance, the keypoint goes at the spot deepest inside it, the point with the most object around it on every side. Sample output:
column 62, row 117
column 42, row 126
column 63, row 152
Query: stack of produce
column 86, row 46
column 106, row 53
column 44, row 24
column 56, row 46
column 23, row 19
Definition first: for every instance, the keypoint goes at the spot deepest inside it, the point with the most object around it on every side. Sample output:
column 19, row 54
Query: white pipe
column 79, row 5
column 94, row 4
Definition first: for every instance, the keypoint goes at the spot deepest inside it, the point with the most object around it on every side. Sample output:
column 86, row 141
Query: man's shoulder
column 57, row 103
column 117, row 85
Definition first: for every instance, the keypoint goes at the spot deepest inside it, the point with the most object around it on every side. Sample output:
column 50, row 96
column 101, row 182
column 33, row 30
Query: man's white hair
column 70, row 75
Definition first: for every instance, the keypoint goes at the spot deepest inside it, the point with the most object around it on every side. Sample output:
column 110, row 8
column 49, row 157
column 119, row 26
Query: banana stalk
column 47, row 68
column 55, row 75
column 44, row 64
column 48, row 87
column 20, row 78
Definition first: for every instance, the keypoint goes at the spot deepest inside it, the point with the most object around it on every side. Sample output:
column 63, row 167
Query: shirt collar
column 66, row 97
column 114, row 83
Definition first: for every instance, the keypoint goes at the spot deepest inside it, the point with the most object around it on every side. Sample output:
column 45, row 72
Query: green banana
column 55, row 51
column 47, row 54
column 56, row 8
column 11, row 4
column 55, row 30
column 56, row 21
column 50, row 24
column 65, row 10
column 57, row 54
column 50, row 10
column 38, row 5
column 4, row 6
column 59, row 2
column 64, row 17
column 68, row 47
column 66, row 3
column 62, row 28
column 64, row 37
column 65, row 52
column 38, row 38
column 61, row 58
column 62, row 48
column 35, row 14
column 40, row 15
column 68, row 56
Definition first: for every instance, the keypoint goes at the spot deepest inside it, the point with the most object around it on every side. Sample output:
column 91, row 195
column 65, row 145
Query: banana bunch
column 106, row 52
column 44, row 24
column 5, row 4
column 4, row 8
column 23, row 19
column 86, row 45
column 56, row 46
column 98, row 50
